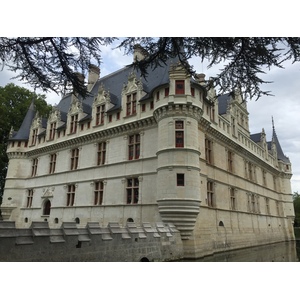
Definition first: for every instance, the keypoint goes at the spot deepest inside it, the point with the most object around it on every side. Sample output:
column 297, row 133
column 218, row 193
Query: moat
column 278, row 252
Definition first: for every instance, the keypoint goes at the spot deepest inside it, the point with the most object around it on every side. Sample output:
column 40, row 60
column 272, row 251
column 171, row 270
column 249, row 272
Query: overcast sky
column 284, row 106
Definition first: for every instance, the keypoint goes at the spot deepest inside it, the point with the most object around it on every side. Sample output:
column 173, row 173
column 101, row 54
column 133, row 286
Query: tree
column 50, row 62
column 296, row 201
column 14, row 103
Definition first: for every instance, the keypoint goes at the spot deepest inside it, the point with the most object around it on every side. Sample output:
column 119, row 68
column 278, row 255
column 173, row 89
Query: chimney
column 201, row 78
column 139, row 53
column 94, row 74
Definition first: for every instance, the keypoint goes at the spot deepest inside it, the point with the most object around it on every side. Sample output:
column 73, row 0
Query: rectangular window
column 98, row 193
column 157, row 96
column 264, row 176
column 52, row 163
column 73, row 123
column 29, row 197
column 230, row 161
column 118, row 115
column 179, row 87
column 52, row 131
column 277, row 208
column 267, row 206
column 253, row 204
column 274, row 183
column 131, row 104
column 134, row 147
column 100, row 109
column 132, row 190
column 179, row 134
column 33, row 137
column 151, row 104
column 34, row 167
column 143, row 107
column 101, row 153
column 232, row 199
column 210, row 194
column 71, row 195
column 166, row 92
column 109, row 118
column 180, row 179
column 208, row 151
column 74, row 158
column 193, row 91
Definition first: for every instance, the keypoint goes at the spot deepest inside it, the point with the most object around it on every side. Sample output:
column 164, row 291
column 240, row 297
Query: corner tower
column 178, row 167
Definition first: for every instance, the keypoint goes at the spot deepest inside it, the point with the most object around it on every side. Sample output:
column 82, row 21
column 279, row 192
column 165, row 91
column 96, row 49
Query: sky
column 284, row 106
column 199, row 18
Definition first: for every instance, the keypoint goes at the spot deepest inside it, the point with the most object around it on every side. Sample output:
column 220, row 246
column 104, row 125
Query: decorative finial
column 273, row 123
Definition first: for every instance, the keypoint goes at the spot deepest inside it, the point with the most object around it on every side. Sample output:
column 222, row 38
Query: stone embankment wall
column 159, row 242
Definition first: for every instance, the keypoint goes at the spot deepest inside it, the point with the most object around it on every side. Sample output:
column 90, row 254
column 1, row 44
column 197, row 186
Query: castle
column 155, row 149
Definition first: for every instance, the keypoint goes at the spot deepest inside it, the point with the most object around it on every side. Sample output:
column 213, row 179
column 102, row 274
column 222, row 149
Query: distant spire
column 273, row 124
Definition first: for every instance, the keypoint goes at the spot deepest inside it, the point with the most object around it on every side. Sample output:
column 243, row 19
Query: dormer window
column 73, row 123
column 179, row 87
column 100, row 114
column 131, row 104
column 52, row 131
column 33, row 137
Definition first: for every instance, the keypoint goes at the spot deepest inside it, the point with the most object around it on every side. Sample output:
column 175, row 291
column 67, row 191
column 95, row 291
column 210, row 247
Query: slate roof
column 280, row 154
column 23, row 133
column 223, row 103
column 255, row 137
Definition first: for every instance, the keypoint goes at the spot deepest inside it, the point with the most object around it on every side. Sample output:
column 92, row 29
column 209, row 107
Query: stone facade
column 160, row 149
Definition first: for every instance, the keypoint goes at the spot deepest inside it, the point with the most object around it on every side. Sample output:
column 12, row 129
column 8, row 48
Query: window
column 277, row 208
column 250, row 171
column 157, row 96
column 143, row 107
column 29, row 197
column 253, row 204
column 100, row 109
column 210, row 193
column 52, row 163
column 98, row 193
column 52, row 131
column 274, row 183
column 179, row 134
column 208, row 151
column 180, row 179
column 109, row 118
column 193, row 91
column 118, row 115
column 131, row 104
column 132, row 190
column 74, row 158
column 33, row 137
column 101, row 153
column 267, row 206
column 151, row 104
column 71, row 195
column 212, row 113
column 34, row 167
column 166, row 92
column 179, row 87
column 264, row 176
column 73, row 123
column 134, row 147
column 230, row 161
column 47, row 208
column 232, row 199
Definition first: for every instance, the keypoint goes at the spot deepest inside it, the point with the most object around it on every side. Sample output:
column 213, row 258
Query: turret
column 178, row 169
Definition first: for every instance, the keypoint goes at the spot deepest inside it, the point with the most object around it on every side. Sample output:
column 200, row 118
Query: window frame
column 179, row 134
column 98, row 192
column 134, row 146
column 101, row 153
column 74, row 159
column 71, row 195
column 179, row 87
column 132, row 191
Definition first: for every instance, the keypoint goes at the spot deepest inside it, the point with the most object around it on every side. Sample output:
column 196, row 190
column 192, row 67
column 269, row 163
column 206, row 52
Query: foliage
column 50, row 62
column 14, row 103
column 296, row 200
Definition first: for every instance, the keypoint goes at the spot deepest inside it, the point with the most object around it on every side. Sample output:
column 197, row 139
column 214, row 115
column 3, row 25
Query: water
column 279, row 252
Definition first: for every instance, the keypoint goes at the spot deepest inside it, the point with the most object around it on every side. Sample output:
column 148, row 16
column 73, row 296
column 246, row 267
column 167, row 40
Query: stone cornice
column 178, row 109
column 94, row 136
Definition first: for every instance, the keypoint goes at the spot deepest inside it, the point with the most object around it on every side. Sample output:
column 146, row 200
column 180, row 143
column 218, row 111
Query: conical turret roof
column 23, row 133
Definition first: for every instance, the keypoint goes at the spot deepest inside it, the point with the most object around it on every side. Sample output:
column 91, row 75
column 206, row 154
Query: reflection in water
column 279, row 252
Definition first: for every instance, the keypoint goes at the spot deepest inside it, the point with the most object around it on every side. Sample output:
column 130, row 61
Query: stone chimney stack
column 139, row 53
column 201, row 78
column 94, row 74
